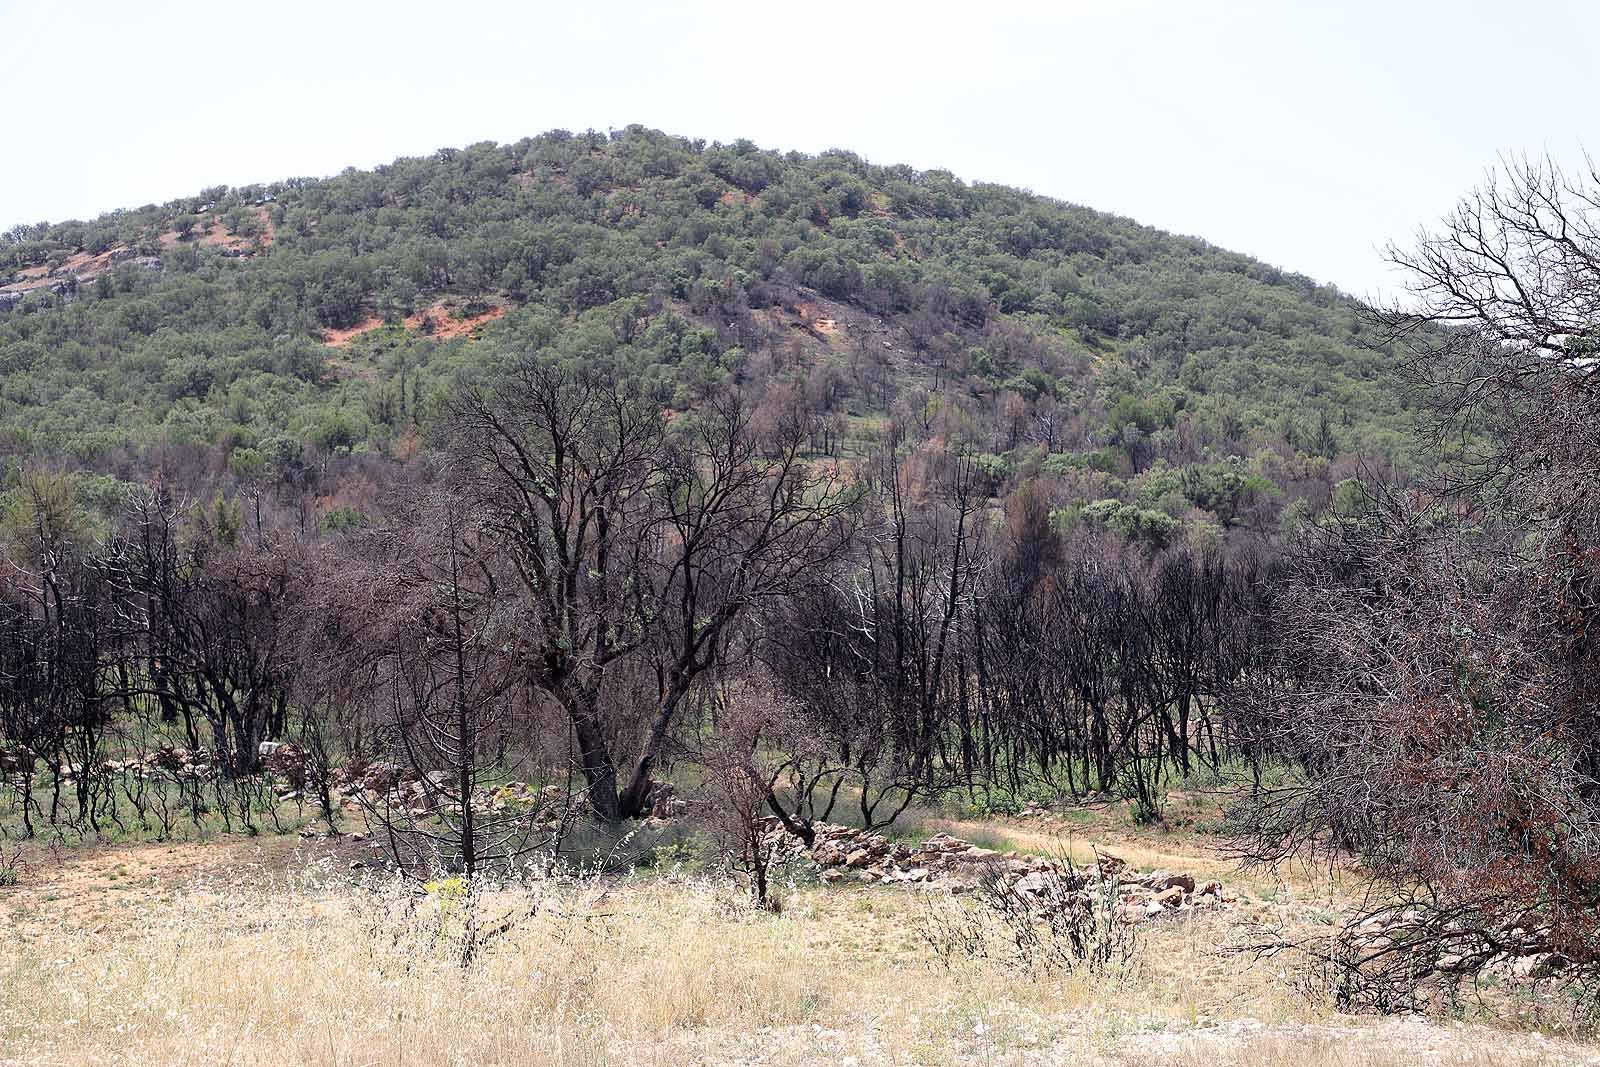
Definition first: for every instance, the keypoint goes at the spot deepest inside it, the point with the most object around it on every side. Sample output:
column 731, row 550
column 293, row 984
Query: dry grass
column 257, row 965
column 1393, row 1044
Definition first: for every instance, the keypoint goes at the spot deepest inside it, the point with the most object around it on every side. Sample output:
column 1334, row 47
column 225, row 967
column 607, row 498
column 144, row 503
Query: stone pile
column 285, row 762
column 169, row 761
column 1517, row 950
column 377, row 778
column 388, row 785
column 391, row 785
column 960, row 866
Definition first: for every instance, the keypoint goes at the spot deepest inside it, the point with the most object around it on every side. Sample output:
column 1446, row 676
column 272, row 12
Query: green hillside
column 254, row 332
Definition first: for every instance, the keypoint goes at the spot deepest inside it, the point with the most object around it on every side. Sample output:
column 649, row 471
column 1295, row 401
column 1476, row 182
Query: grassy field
column 275, row 950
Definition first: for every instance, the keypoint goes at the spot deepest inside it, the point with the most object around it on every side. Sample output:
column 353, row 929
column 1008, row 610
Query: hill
column 256, row 331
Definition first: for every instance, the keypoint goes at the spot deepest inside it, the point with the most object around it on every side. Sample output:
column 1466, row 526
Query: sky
column 1308, row 135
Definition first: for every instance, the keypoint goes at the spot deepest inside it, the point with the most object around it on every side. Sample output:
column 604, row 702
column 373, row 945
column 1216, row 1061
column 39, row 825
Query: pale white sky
column 1304, row 134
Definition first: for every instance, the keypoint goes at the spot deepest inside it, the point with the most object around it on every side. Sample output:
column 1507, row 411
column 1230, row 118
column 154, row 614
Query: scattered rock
column 958, row 866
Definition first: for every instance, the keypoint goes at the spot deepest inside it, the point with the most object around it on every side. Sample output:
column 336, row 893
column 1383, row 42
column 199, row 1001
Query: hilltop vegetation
column 257, row 334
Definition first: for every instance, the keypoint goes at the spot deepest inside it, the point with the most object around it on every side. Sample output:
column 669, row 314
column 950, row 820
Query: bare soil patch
column 340, row 338
column 446, row 326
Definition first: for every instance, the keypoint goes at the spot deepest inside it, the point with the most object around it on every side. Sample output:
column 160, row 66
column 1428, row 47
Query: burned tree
column 408, row 625
column 207, row 611
column 56, row 641
column 633, row 540
column 559, row 464
column 1435, row 670
column 745, row 521
column 876, row 656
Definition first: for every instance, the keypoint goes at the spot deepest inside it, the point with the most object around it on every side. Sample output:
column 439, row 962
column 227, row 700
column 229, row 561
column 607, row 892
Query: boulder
column 826, row 854
column 1035, row 883
column 1161, row 880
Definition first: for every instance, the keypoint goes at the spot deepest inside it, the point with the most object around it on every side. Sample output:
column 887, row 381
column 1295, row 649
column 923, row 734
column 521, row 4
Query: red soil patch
column 269, row 233
column 216, row 234
column 820, row 326
column 340, row 338
column 84, row 265
column 446, row 327
column 87, row 266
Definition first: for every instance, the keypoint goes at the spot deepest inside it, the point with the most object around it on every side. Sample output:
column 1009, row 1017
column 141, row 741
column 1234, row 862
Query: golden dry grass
column 253, row 964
